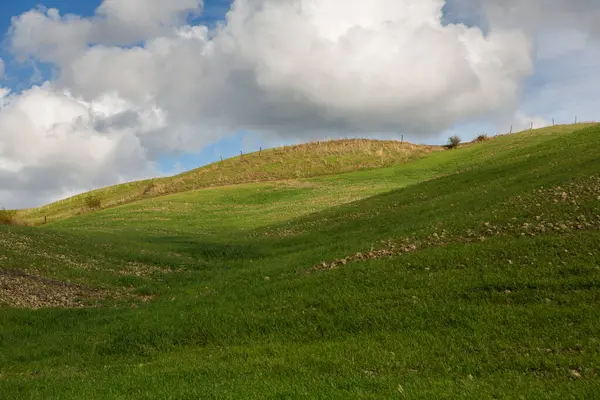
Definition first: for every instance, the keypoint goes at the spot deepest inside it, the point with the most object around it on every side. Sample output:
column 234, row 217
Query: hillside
column 472, row 273
column 291, row 162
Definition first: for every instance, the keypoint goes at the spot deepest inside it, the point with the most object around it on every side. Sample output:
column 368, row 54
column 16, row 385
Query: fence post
column 531, row 126
column 402, row 140
column 575, row 119
column 511, row 128
column 45, row 219
column 552, row 121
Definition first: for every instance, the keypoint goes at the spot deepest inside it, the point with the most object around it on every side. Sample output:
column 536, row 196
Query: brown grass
column 9, row 217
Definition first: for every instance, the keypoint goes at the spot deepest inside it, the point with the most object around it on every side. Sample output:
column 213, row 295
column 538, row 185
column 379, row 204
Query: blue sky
column 18, row 75
column 91, row 116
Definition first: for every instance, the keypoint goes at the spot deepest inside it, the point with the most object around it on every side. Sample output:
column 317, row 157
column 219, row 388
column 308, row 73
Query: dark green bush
column 453, row 142
column 482, row 138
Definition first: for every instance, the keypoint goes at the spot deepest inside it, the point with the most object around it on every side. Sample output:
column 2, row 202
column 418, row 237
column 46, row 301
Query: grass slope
column 472, row 273
column 291, row 162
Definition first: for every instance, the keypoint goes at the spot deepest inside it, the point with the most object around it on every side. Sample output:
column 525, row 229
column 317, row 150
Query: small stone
column 267, row 278
column 575, row 374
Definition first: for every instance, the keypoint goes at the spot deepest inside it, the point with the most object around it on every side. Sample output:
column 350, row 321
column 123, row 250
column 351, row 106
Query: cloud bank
column 135, row 81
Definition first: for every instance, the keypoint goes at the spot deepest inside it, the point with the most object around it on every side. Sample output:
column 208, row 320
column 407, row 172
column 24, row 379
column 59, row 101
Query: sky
column 99, row 92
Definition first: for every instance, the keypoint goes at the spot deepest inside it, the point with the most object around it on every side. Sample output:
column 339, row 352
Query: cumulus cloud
column 288, row 68
column 53, row 144
column 47, row 35
column 384, row 65
column 380, row 66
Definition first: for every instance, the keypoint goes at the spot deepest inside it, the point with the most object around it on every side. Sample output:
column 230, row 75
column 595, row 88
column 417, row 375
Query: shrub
column 453, row 142
column 8, row 217
column 482, row 138
column 93, row 202
column 149, row 188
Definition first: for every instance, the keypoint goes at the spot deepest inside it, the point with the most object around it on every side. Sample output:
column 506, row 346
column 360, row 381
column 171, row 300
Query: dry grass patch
column 9, row 217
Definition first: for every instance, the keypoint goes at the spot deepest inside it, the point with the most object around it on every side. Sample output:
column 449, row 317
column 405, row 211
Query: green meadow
column 351, row 271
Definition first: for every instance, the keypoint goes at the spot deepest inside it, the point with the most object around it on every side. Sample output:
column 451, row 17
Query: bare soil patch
column 20, row 290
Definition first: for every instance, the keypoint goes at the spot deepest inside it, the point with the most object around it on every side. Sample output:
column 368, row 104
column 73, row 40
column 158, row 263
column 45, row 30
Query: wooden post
column 575, row 119
column 552, row 121
column 221, row 158
column 531, row 126
column 260, row 151
column 402, row 140
column 45, row 219
column 511, row 127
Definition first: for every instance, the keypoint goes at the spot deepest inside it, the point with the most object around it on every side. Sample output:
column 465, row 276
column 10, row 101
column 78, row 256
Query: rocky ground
column 20, row 290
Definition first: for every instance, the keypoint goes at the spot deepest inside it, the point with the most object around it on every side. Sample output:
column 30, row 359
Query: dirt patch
column 20, row 290
column 389, row 248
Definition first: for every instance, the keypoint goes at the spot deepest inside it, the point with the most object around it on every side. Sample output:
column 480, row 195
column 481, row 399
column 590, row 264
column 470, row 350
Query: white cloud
column 54, row 143
column 47, row 35
column 1, row 69
column 384, row 65
column 524, row 121
column 285, row 68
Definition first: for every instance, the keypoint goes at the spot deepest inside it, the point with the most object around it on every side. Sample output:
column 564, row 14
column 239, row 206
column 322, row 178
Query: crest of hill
column 290, row 162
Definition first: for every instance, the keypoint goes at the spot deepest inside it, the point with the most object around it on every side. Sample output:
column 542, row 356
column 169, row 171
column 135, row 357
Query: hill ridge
column 299, row 161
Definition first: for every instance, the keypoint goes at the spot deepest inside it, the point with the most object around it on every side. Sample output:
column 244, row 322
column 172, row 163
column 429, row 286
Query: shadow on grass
column 203, row 250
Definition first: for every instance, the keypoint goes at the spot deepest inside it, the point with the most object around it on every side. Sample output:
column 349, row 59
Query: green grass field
column 471, row 273
column 291, row 162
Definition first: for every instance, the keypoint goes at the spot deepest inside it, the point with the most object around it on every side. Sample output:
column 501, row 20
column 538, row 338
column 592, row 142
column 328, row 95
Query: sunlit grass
column 216, row 294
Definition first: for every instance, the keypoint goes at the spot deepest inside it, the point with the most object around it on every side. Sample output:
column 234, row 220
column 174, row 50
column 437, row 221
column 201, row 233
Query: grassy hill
column 472, row 273
column 291, row 162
